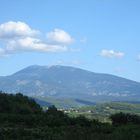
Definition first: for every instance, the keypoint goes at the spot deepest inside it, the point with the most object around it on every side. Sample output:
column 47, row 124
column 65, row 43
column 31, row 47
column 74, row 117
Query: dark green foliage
column 18, row 104
column 124, row 118
column 23, row 119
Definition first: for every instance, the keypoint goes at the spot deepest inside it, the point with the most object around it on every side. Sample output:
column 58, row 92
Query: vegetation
column 64, row 103
column 21, row 118
column 121, row 118
column 102, row 111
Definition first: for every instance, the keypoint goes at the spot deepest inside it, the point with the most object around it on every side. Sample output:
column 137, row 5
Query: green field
column 102, row 111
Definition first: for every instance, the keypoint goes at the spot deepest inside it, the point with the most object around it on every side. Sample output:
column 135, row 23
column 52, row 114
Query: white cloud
column 75, row 49
column 139, row 57
column 2, row 52
column 59, row 36
column 16, row 29
column 18, row 37
column 30, row 44
column 111, row 54
column 65, row 62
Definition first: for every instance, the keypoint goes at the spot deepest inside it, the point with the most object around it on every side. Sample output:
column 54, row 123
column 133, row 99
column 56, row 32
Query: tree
column 124, row 118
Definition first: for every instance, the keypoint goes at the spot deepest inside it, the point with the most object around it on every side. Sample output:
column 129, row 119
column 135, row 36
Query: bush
column 124, row 118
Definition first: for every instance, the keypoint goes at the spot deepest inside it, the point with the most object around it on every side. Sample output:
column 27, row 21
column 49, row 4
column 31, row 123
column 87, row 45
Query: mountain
column 69, row 82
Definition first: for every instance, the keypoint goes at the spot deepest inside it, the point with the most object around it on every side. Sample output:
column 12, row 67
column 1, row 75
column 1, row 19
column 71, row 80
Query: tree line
column 22, row 118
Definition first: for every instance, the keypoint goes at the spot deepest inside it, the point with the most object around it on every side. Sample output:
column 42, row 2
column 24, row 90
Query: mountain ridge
column 67, row 81
column 58, row 66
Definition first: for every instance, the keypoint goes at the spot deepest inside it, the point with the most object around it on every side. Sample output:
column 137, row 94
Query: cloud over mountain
column 19, row 37
column 111, row 54
column 59, row 36
column 10, row 30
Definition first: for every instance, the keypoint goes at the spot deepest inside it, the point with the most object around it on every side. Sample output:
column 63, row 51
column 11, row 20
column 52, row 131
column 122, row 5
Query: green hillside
column 102, row 111
column 21, row 118
column 64, row 103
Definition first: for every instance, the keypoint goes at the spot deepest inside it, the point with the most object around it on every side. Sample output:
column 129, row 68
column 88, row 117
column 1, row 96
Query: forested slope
column 22, row 119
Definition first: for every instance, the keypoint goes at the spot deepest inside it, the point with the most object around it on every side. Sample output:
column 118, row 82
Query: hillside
column 22, row 119
column 102, row 111
column 18, row 104
column 69, row 82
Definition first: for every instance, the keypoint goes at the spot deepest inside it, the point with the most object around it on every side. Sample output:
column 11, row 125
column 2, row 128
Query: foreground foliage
column 22, row 119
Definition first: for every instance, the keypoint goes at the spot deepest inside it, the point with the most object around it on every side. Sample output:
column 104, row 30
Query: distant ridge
column 69, row 82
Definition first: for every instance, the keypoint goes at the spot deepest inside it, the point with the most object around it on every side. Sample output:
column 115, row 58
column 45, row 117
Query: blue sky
column 98, row 35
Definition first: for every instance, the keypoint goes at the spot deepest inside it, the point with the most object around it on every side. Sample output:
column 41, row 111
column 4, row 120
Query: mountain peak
column 67, row 81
